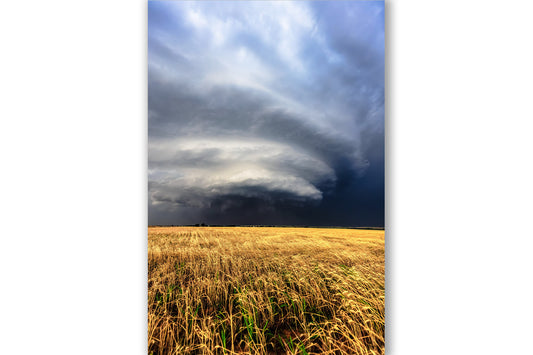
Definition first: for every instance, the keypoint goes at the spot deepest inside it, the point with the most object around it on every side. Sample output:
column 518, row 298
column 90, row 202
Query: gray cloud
column 263, row 112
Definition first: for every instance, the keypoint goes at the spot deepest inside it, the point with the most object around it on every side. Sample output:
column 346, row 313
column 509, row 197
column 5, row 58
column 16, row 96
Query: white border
column 73, row 148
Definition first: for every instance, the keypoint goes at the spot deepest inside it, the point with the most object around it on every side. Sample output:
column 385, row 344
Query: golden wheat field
column 259, row 290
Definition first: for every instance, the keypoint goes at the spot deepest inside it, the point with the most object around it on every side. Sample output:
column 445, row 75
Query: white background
column 73, row 182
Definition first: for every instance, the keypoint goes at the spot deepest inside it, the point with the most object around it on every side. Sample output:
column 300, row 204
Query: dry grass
column 265, row 291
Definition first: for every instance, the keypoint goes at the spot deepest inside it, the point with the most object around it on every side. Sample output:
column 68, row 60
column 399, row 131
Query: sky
column 266, row 113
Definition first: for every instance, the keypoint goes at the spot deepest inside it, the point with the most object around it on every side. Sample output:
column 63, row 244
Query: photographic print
column 266, row 177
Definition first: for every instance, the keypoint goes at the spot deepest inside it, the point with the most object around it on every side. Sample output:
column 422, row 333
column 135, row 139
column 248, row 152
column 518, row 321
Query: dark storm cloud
column 266, row 112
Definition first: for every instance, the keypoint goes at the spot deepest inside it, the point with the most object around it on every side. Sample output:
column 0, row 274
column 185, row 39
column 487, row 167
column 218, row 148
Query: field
column 259, row 290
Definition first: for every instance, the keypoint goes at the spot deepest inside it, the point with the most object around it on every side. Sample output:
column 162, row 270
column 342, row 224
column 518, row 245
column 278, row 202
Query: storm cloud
column 266, row 113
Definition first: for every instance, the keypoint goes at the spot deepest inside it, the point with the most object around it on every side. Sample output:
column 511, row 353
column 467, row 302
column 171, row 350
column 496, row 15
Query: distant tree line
column 261, row 225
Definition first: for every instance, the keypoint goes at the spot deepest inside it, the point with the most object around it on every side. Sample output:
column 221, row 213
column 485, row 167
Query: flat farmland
column 261, row 290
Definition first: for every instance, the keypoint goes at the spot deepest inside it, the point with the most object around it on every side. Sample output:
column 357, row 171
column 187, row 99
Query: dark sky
column 266, row 113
